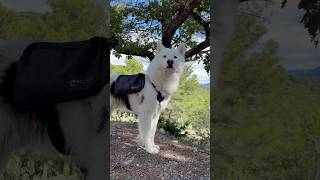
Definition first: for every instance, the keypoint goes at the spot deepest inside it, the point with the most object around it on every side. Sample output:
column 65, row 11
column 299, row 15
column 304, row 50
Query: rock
column 195, row 149
column 173, row 163
column 175, row 141
column 128, row 161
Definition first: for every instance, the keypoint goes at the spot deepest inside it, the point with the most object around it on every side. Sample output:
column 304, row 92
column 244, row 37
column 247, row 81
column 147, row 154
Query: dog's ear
column 159, row 46
column 182, row 48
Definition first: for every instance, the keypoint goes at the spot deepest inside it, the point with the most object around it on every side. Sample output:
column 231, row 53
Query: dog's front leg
column 144, row 138
column 154, row 129
column 155, row 121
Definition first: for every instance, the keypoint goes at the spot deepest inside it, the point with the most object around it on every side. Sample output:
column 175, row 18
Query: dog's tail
column 10, row 52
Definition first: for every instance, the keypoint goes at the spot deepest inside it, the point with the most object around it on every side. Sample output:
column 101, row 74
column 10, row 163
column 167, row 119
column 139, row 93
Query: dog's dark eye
column 175, row 57
column 164, row 56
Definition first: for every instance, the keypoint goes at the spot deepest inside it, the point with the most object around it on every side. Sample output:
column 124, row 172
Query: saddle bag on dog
column 127, row 84
column 54, row 72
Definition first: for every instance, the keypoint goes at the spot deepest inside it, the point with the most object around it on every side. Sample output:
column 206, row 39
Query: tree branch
column 131, row 48
column 178, row 20
column 198, row 48
column 206, row 25
column 206, row 43
column 137, row 52
column 183, row 13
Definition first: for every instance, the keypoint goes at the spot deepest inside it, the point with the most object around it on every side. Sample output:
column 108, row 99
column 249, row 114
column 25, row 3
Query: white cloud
column 198, row 70
column 198, row 37
column 117, row 61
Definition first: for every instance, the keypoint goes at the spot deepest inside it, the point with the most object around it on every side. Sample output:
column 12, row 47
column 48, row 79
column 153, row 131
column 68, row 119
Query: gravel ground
column 176, row 160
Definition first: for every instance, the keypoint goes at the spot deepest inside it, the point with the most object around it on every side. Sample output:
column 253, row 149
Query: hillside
column 205, row 85
column 313, row 73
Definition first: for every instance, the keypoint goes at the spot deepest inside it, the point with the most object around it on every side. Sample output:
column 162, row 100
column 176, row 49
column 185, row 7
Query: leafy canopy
column 67, row 21
column 137, row 25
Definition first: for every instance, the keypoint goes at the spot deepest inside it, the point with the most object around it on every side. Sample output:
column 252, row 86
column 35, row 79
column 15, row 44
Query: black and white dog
column 160, row 83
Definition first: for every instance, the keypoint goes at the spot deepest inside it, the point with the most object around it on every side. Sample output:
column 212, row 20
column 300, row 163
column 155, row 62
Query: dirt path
column 176, row 160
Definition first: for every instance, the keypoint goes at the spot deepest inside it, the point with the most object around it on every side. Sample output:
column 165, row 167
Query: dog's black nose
column 170, row 62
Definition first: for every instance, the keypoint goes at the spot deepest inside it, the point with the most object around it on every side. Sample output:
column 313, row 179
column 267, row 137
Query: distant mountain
column 312, row 73
column 205, row 85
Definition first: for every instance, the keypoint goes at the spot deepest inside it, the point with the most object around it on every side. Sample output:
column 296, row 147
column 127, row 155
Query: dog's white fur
column 145, row 104
column 79, row 120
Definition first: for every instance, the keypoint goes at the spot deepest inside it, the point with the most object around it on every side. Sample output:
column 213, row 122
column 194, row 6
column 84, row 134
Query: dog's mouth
column 170, row 66
column 170, row 69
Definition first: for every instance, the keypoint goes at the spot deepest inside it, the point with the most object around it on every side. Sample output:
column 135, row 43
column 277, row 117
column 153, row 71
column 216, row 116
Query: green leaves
column 188, row 111
column 68, row 21
column 132, row 67
column 265, row 124
column 137, row 26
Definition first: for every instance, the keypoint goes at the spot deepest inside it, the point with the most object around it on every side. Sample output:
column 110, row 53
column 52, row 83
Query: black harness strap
column 51, row 119
column 57, row 138
column 160, row 97
column 123, row 97
column 126, row 101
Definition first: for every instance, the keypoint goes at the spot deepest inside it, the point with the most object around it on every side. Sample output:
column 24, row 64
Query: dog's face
column 170, row 59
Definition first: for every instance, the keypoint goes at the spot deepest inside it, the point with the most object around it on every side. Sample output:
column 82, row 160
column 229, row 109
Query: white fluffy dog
column 162, row 78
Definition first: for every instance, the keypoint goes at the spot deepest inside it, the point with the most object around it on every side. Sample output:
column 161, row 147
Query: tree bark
column 169, row 28
column 223, row 15
column 178, row 20
column 135, row 52
column 198, row 48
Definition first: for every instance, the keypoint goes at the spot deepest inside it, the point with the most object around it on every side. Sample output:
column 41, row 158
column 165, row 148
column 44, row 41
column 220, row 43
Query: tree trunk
column 223, row 15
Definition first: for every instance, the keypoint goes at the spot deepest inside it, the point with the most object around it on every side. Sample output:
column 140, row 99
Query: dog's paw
column 156, row 146
column 148, row 146
column 152, row 150
column 140, row 141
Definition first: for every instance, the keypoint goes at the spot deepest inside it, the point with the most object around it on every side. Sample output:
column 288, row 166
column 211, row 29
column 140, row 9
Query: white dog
column 82, row 124
column 161, row 82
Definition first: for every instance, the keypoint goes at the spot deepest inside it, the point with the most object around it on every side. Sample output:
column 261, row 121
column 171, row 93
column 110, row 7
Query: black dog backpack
column 127, row 84
column 49, row 73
